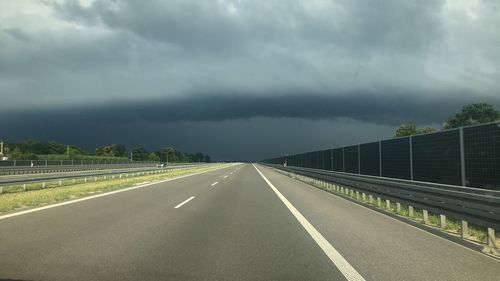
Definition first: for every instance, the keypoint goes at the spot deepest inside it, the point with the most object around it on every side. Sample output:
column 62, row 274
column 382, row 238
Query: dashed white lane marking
column 226, row 177
column 338, row 260
column 185, row 201
column 101, row 195
column 214, row 183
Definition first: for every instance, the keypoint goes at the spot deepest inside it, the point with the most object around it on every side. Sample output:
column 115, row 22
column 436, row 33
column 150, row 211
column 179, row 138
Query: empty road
column 242, row 222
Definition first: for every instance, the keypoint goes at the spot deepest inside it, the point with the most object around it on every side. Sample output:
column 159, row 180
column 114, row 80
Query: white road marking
column 214, row 183
column 225, row 177
column 100, row 195
column 338, row 260
column 185, row 201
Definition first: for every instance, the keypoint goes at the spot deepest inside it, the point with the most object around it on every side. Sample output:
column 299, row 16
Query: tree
column 167, row 154
column 139, row 154
column 153, row 157
column 16, row 153
column 409, row 129
column 113, row 150
column 472, row 114
column 406, row 129
column 426, row 130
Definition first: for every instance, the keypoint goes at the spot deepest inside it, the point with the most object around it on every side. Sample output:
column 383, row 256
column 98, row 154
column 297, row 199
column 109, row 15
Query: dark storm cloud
column 402, row 25
column 380, row 109
column 93, row 52
column 96, row 71
column 237, row 139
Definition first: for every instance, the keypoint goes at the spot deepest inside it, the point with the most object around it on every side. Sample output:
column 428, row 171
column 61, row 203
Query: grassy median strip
column 20, row 200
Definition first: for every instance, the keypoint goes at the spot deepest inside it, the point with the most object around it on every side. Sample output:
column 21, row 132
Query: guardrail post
column 357, row 195
column 398, row 207
column 388, row 204
column 24, row 187
column 363, row 196
column 491, row 240
column 1, row 189
column 410, row 211
column 60, row 183
column 74, row 181
column 442, row 221
column 85, row 180
column 425, row 216
column 43, row 184
column 379, row 201
column 95, row 178
column 370, row 198
column 465, row 229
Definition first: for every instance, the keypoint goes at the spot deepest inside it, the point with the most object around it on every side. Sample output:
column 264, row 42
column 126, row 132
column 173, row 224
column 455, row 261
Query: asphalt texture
column 237, row 229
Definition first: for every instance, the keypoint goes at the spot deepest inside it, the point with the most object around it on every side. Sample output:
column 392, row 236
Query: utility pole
column 1, row 150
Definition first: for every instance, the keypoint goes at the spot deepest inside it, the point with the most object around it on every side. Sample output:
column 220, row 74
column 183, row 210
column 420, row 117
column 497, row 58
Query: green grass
column 53, row 193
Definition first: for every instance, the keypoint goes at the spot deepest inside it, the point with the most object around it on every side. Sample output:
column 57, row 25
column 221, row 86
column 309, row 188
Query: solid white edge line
column 214, row 183
column 184, row 202
column 336, row 196
column 101, row 195
column 338, row 260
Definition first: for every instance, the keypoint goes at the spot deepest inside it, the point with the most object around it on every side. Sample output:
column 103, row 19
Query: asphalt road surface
column 234, row 223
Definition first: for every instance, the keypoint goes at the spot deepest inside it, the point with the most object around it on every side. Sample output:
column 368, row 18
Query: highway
column 26, row 178
column 242, row 222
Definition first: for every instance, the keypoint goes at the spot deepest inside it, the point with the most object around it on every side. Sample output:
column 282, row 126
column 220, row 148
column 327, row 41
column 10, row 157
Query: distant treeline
column 37, row 150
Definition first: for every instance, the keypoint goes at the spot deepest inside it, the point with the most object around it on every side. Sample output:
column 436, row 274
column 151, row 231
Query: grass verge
column 20, row 200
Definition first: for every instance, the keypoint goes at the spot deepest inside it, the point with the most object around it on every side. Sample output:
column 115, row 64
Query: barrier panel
column 466, row 156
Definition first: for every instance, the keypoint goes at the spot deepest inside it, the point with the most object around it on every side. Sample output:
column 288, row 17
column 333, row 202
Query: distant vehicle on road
column 161, row 165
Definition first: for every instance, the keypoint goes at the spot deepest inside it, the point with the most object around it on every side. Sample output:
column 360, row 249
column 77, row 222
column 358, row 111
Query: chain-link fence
column 467, row 156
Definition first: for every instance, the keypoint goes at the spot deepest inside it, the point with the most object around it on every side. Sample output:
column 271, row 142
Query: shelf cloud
column 113, row 64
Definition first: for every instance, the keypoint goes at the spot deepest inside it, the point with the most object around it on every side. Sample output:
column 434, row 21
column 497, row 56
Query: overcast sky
column 241, row 79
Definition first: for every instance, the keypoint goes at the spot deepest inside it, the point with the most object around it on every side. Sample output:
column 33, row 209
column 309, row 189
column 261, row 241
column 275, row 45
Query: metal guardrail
column 5, row 181
column 478, row 206
column 10, row 170
column 39, row 163
column 59, row 180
